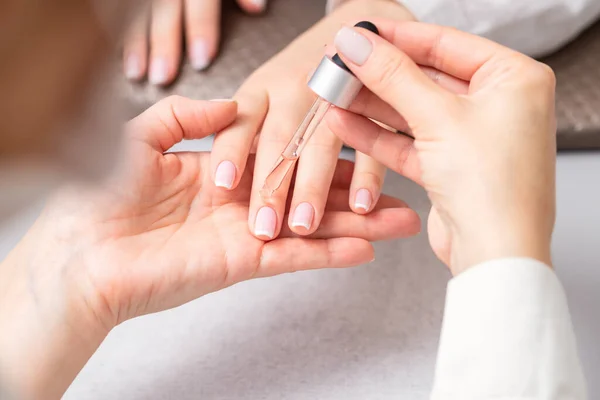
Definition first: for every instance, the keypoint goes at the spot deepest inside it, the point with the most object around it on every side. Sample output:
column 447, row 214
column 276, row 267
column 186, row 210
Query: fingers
column 202, row 25
column 382, row 224
column 370, row 105
column 232, row 146
column 393, row 150
column 253, row 6
column 391, row 75
column 337, row 200
column 348, row 244
column 446, row 49
column 135, row 51
column 165, row 41
column 176, row 118
column 266, row 216
column 367, row 182
column 313, row 180
column 295, row 254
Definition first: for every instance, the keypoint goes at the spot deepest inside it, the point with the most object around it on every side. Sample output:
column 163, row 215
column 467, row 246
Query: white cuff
column 506, row 334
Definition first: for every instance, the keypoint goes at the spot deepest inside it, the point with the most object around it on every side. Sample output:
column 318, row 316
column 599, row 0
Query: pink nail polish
column 199, row 55
column 265, row 223
column 158, row 72
column 303, row 216
column 225, row 175
column 260, row 4
column 363, row 199
column 133, row 70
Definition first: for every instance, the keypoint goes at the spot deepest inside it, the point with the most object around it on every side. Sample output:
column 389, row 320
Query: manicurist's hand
column 158, row 233
column 483, row 122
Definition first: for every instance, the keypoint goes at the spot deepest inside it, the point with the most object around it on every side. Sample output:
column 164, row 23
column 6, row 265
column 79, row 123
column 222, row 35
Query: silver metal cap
column 334, row 84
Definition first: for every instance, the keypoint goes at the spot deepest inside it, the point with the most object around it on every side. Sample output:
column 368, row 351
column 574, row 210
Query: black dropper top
column 362, row 24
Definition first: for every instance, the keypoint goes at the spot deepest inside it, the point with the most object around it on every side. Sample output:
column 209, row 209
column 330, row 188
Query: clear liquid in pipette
column 282, row 168
column 286, row 161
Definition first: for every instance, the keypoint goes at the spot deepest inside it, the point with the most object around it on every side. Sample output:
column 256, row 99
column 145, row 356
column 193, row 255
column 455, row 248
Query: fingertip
column 265, row 223
column 253, row 6
column 200, row 53
column 411, row 222
column 225, row 175
column 133, row 67
column 363, row 201
column 160, row 73
column 348, row 252
column 302, row 219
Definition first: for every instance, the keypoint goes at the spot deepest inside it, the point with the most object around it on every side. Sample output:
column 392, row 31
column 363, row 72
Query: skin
column 154, row 235
column 153, row 44
column 484, row 136
column 157, row 233
column 272, row 103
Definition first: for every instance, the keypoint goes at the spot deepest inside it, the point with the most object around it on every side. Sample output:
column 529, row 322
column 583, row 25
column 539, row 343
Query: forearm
column 507, row 334
column 45, row 339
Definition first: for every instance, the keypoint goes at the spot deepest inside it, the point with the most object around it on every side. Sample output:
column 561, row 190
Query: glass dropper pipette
column 334, row 84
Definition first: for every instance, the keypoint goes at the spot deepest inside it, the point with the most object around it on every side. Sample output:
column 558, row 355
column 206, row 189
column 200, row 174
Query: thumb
column 391, row 74
column 175, row 118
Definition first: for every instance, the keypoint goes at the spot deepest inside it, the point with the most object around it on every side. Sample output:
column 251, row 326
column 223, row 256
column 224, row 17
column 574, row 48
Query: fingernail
column 303, row 215
column 260, row 4
column 158, row 72
column 354, row 46
column 133, row 68
column 363, row 199
column 223, row 100
column 199, row 55
column 225, row 175
column 265, row 223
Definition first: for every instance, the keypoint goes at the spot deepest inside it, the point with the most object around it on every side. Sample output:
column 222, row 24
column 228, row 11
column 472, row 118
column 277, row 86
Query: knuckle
column 371, row 177
column 390, row 72
column 314, row 193
column 538, row 75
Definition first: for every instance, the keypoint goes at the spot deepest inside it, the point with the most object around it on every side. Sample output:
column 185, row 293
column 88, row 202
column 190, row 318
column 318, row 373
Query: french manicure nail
column 225, row 175
column 133, row 68
column 363, row 199
column 265, row 223
column 354, row 46
column 158, row 72
column 303, row 216
column 199, row 55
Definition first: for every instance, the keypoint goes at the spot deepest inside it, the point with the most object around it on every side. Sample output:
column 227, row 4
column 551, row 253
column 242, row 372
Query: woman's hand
column 272, row 103
column 484, row 134
column 154, row 41
column 156, row 235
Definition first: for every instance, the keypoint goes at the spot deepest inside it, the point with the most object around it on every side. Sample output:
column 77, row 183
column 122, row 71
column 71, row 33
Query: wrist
column 519, row 241
column 48, row 333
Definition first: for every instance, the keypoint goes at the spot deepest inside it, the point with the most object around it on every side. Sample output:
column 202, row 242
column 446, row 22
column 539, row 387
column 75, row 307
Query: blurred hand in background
column 154, row 42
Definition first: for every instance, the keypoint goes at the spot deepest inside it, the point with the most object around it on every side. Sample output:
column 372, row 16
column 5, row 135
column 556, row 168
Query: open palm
column 159, row 233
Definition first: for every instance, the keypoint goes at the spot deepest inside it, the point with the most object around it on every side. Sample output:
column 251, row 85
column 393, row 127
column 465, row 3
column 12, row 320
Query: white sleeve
column 507, row 334
column 534, row 27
